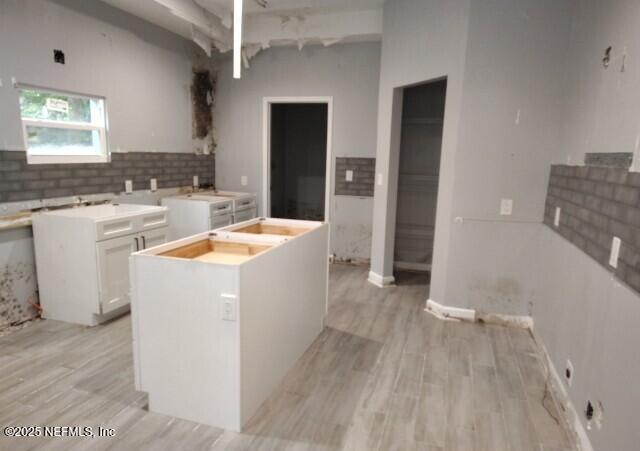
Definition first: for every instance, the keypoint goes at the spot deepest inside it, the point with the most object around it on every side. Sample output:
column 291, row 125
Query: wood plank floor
column 383, row 375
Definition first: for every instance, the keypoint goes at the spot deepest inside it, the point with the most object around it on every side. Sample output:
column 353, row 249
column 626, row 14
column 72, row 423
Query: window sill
column 66, row 159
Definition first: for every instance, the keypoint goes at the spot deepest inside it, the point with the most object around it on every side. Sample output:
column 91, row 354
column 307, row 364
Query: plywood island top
column 216, row 251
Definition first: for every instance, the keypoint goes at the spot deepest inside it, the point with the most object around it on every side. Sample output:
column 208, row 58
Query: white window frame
column 46, row 158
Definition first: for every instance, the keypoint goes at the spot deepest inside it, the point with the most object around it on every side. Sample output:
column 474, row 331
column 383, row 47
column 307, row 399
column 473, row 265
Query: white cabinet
column 190, row 214
column 154, row 237
column 113, row 271
column 82, row 258
column 113, row 265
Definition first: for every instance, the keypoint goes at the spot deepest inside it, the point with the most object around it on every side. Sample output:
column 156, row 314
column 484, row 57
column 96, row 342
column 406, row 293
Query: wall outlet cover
column 348, row 175
column 615, row 251
column 228, row 307
column 244, row 181
column 379, row 179
column 506, row 207
column 196, row 181
column 556, row 219
column 128, row 186
column 153, row 184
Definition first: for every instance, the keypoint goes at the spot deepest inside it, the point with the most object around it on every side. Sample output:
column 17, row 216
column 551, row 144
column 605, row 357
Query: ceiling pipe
column 237, row 38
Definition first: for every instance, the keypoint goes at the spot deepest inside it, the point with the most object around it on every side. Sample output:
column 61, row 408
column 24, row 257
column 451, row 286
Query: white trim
column 66, row 159
column 571, row 416
column 266, row 148
column 445, row 312
column 380, row 281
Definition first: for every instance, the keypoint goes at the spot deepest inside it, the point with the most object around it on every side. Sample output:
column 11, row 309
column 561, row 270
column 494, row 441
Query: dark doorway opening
column 420, row 148
column 298, row 150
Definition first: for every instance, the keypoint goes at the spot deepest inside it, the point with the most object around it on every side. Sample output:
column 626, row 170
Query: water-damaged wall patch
column 14, row 308
column 202, row 89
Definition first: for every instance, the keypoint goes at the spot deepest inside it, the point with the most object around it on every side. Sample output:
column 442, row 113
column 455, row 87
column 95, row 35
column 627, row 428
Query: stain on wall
column 202, row 95
column 17, row 277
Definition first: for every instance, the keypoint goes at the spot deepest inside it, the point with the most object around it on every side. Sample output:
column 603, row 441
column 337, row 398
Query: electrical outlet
column 244, row 181
column 348, row 175
column 556, row 219
column 568, row 373
column 128, row 186
column 196, row 181
column 379, row 179
column 228, row 307
column 615, row 251
column 506, row 207
column 153, row 184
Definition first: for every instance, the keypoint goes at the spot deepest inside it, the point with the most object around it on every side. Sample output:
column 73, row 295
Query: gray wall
column 486, row 155
column 509, row 129
column 422, row 40
column 583, row 312
column 143, row 71
column 349, row 73
column 602, row 105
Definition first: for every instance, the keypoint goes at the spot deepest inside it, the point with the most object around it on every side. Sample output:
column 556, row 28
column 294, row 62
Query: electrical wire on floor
column 545, row 396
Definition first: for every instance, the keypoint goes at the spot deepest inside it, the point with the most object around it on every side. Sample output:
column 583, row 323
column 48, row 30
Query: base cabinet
column 82, row 258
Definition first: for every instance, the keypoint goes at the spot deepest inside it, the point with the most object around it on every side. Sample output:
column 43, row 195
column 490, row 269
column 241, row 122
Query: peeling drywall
column 17, row 277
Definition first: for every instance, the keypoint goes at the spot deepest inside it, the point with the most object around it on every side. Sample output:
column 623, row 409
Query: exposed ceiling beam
column 316, row 28
column 205, row 22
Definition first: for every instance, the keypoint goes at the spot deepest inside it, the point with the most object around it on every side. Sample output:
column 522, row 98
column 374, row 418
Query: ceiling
column 266, row 22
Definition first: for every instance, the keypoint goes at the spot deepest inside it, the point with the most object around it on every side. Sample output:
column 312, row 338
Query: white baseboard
column 450, row 313
column 380, row 281
column 570, row 416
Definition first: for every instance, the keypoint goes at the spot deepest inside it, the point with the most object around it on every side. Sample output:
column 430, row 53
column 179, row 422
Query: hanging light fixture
column 237, row 38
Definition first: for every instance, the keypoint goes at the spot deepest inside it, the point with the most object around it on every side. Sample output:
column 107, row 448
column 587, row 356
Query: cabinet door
column 244, row 215
column 113, row 271
column 154, row 237
column 215, row 222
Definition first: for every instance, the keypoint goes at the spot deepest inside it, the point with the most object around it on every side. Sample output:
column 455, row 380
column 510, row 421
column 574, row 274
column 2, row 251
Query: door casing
column 266, row 149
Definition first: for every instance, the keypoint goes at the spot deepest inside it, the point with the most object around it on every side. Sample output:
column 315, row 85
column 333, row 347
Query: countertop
column 16, row 220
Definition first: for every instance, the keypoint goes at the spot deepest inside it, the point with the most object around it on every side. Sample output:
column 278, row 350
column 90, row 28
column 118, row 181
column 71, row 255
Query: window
column 60, row 127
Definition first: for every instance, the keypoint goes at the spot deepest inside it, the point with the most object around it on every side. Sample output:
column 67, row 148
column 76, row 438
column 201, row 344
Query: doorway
column 297, row 158
column 420, row 148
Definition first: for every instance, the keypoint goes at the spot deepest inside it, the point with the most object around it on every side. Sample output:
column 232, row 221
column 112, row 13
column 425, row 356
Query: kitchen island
column 219, row 318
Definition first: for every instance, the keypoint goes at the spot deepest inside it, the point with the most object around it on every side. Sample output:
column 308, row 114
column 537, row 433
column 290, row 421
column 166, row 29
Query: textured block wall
column 21, row 181
column 363, row 176
column 598, row 203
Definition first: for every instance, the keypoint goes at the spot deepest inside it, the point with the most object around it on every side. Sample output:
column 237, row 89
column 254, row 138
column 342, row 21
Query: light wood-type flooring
column 383, row 375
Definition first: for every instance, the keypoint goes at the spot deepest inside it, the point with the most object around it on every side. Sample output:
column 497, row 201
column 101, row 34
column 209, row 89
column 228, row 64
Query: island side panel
column 187, row 356
column 283, row 297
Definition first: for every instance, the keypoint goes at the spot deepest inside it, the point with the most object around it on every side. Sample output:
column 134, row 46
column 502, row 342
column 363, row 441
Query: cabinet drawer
column 153, row 220
column 112, row 228
column 220, row 209
column 245, row 204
